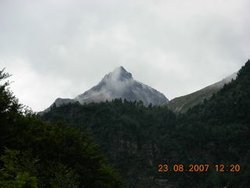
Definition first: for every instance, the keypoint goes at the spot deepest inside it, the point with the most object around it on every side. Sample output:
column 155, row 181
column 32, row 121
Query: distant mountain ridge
column 115, row 85
column 183, row 103
column 120, row 84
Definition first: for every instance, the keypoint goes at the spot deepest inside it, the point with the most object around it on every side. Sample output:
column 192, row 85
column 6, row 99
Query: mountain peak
column 121, row 68
column 119, row 74
column 118, row 84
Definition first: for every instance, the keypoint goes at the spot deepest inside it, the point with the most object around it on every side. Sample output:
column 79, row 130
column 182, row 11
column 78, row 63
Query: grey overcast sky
column 61, row 48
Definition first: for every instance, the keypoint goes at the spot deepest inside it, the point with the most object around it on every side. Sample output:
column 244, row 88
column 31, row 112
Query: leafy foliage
column 38, row 154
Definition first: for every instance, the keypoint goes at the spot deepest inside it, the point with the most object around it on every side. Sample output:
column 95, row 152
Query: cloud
column 174, row 46
column 32, row 88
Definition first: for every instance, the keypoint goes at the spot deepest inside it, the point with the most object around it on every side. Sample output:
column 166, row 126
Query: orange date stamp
column 198, row 168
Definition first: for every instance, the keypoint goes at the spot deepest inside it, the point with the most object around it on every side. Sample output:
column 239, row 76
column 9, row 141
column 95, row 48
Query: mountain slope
column 120, row 84
column 115, row 85
column 183, row 103
column 218, row 131
column 231, row 102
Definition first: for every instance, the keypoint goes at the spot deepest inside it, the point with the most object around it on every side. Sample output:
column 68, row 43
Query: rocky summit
column 118, row 84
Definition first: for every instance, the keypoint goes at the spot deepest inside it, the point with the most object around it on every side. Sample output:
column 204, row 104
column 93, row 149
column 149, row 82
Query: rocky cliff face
column 120, row 84
column 115, row 85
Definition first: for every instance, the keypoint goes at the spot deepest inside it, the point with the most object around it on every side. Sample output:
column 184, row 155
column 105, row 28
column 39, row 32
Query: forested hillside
column 129, row 133
column 38, row 154
column 136, row 139
column 103, row 144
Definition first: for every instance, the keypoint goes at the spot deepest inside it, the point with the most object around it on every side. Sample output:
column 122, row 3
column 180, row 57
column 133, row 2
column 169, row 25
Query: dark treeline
column 136, row 139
